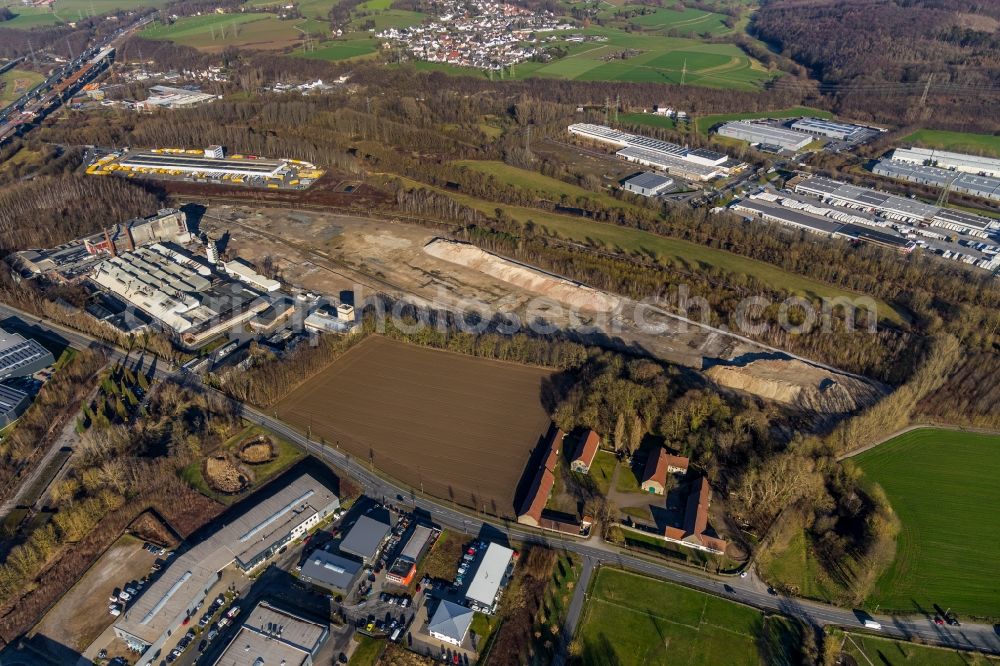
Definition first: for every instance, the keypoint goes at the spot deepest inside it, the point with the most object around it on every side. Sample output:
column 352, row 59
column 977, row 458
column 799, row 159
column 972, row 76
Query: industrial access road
column 748, row 591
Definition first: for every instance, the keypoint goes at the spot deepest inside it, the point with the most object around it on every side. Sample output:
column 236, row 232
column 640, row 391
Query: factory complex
column 680, row 161
column 246, row 540
column 153, row 272
column 894, row 207
column 167, row 97
column 765, row 134
column 983, row 166
column 986, row 187
column 775, row 137
column 210, row 165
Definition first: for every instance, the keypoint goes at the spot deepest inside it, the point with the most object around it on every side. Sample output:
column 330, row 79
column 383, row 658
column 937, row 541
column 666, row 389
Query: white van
column 396, row 633
column 872, row 624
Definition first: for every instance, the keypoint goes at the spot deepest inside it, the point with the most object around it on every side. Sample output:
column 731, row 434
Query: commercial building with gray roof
column 247, row 540
column 12, row 404
column 827, row 128
column 330, row 570
column 648, row 184
column 450, row 622
column 270, row 636
column 365, row 538
column 974, row 164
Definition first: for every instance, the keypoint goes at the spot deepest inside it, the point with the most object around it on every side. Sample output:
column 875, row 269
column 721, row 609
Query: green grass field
column 649, row 120
column 351, row 46
column 869, row 649
column 63, row 11
column 705, row 123
column 687, row 20
column 959, row 142
column 547, row 187
column 796, row 568
column 631, row 619
column 943, row 486
column 679, row 252
column 214, row 32
column 16, row 82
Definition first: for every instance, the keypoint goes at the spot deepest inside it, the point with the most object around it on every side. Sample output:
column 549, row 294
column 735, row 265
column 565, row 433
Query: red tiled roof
column 552, row 455
column 656, row 467
column 675, row 533
column 677, row 461
column 696, row 513
column 587, row 448
column 538, row 495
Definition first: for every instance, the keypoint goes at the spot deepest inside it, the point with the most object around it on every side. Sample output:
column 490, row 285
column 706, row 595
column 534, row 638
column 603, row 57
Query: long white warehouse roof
column 489, row 575
column 942, row 158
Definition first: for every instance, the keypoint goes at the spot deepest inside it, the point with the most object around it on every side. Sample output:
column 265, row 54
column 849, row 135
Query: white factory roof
column 668, row 162
column 245, row 273
column 766, row 133
column 959, row 161
column 186, row 578
column 492, row 568
column 825, row 126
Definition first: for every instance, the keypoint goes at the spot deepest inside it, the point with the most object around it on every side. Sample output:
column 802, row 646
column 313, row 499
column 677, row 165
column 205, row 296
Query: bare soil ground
column 331, row 253
column 458, row 426
column 224, row 476
column 257, row 451
column 82, row 614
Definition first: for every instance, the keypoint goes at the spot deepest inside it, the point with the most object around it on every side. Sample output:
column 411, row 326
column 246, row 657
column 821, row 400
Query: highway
column 748, row 590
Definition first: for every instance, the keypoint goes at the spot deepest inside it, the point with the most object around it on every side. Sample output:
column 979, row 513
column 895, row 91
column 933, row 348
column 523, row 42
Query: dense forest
column 874, row 59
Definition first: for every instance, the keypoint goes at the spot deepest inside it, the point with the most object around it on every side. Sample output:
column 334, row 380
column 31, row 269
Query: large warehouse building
column 986, row 187
column 203, row 163
column 773, row 210
column 246, row 540
column 896, row 208
column 698, row 164
column 986, row 166
column 764, row 133
column 827, row 129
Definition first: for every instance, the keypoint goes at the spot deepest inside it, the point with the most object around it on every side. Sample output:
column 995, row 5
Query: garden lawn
column 943, row 486
column 634, row 620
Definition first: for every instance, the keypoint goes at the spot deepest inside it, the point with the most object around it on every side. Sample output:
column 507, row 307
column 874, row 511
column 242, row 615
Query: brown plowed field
column 461, row 426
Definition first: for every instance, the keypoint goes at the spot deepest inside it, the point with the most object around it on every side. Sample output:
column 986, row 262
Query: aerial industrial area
column 394, row 334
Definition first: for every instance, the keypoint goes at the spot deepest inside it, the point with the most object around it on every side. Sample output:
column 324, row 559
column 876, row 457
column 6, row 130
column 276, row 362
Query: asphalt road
column 968, row 636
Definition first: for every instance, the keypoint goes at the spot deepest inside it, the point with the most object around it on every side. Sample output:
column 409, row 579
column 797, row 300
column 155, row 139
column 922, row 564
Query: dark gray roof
column 20, row 356
column 330, row 570
column 707, row 154
column 648, row 180
column 365, row 537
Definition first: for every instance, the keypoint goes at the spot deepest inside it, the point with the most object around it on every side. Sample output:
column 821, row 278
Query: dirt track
column 463, row 427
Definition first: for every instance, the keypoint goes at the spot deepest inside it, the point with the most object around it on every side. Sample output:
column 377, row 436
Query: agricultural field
column 634, row 620
column 212, row 33
column 679, row 252
column 459, row 427
column 959, row 142
column 943, row 486
column 705, row 123
column 870, row 649
column 341, row 49
column 63, row 11
column 687, row 21
column 16, row 82
column 661, row 60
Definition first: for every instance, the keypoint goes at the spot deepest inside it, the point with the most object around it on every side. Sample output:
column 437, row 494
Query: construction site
column 328, row 254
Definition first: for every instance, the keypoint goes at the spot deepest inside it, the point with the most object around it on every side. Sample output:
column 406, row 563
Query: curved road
column 967, row 637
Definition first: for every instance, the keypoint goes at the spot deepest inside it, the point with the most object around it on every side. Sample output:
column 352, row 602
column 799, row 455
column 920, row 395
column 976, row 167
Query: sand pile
column 794, row 382
column 559, row 289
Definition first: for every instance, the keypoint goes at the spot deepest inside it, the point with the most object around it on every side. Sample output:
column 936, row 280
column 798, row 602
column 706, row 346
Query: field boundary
column 929, row 425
